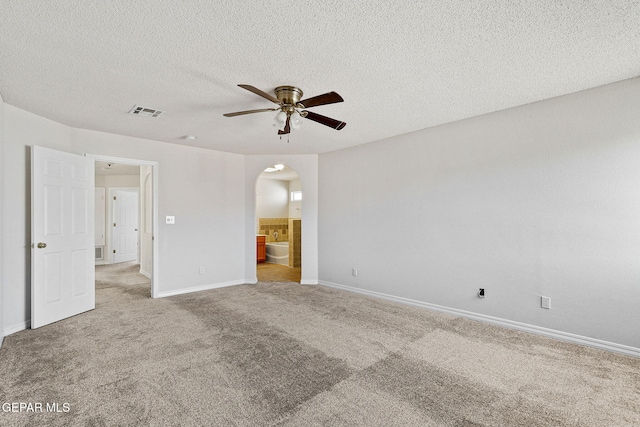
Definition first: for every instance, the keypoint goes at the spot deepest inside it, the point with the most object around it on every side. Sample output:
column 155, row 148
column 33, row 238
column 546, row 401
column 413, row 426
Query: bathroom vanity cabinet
column 261, row 245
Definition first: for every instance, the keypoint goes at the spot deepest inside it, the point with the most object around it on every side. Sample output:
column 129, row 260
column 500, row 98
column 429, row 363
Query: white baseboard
column 17, row 328
column 510, row 324
column 308, row 282
column 145, row 273
column 201, row 288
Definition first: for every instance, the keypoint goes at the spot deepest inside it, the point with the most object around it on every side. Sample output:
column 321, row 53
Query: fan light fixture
column 295, row 120
column 292, row 108
column 274, row 168
column 280, row 120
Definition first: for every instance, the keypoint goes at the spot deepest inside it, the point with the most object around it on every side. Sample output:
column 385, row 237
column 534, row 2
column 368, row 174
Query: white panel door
column 125, row 225
column 62, row 235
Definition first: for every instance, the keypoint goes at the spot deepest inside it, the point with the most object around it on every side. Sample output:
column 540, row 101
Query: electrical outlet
column 201, row 270
column 354, row 272
column 170, row 219
column 545, row 302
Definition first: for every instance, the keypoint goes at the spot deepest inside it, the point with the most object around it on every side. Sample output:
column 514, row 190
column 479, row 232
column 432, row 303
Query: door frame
column 155, row 268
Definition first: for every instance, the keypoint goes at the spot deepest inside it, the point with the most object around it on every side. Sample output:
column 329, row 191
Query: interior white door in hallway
column 62, row 235
column 125, row 225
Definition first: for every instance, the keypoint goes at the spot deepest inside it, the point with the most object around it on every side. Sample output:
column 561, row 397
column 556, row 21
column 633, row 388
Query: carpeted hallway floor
column 291, row 355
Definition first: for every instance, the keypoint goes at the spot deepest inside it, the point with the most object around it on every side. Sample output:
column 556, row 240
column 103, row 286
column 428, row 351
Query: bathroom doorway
column 279, row 225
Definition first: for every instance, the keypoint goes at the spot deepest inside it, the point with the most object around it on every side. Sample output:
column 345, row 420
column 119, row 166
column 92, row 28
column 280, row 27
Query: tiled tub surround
column 269, row 226
column 295, row 242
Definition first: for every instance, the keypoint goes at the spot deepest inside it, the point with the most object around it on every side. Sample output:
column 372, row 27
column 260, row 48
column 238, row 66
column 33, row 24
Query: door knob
column 42, row 245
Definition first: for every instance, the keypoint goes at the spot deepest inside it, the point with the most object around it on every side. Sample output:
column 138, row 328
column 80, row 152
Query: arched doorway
column 278, row 195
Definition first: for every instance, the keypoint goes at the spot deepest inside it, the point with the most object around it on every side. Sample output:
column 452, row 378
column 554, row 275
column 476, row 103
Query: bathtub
column 278, row 252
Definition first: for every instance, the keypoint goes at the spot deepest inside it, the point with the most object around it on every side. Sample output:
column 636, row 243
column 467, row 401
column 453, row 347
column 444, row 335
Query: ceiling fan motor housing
column 288, row 95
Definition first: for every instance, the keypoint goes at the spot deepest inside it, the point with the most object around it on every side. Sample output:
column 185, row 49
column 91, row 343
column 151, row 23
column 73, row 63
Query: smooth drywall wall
column 203, row 189
column 306, row 166
column 295, row 207
column 109, row 181
column 2, row 191
column 539, row 200
column 272, row 198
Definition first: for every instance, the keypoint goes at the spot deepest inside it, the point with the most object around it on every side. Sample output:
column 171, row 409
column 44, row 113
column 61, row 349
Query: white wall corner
column 17, row 328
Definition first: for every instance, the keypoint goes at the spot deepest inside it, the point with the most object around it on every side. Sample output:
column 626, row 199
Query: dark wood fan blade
column 326, row 98
column 327, row 121
column 260, row 93
column 240, row 113
column 287, row 128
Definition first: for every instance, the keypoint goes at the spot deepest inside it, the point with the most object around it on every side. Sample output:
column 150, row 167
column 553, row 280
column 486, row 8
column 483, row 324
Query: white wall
column 306, row 166
column 295, row 208
column 542, row 199
column 109, row 181
column 2, row 192
column 204, row 189
column 272, row 198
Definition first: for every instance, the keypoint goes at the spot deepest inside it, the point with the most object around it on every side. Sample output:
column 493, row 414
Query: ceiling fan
column 291, row 110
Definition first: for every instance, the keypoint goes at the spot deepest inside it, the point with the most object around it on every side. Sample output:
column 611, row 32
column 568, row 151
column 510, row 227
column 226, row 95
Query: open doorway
column 126, row 220
column 117, row 213
column 279, row 225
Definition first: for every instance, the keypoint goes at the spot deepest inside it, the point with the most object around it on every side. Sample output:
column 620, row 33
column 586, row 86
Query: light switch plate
column 171, row 219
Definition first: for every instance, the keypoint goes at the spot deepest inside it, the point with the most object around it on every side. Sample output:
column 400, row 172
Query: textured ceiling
column 400, row 66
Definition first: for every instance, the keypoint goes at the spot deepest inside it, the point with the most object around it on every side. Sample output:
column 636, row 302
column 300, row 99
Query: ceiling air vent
column 144, row 111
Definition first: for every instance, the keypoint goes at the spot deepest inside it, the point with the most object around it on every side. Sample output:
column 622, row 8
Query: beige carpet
column 292, row 355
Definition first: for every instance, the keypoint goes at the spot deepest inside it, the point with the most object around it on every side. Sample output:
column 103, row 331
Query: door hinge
column 114, row 224
column 114, row 197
